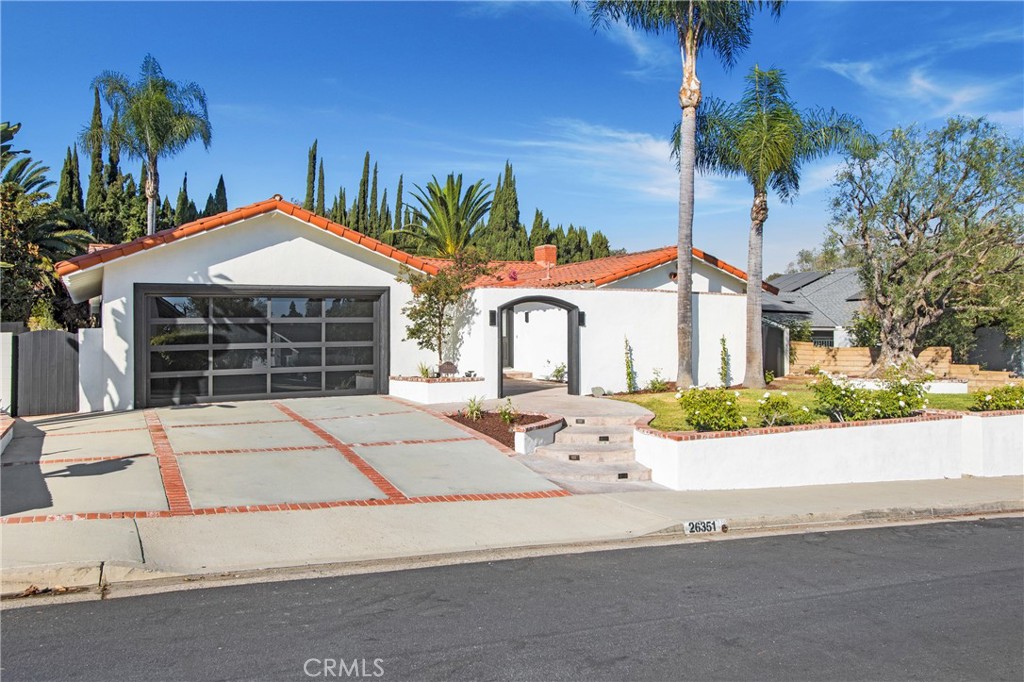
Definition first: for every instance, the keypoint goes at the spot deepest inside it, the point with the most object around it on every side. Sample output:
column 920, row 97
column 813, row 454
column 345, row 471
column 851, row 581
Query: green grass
column 668, row 415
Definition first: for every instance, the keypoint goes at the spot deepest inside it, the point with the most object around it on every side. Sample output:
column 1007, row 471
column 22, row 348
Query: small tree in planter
column 433, row 311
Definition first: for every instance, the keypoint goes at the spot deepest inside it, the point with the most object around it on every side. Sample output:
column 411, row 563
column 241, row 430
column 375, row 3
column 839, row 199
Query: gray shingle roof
column 832, row 297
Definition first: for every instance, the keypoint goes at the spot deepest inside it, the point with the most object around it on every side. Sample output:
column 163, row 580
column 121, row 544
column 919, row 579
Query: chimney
column 546, row 255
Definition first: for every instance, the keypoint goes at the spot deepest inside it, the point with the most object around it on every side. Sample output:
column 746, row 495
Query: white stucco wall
column 993, row 445
column 646, row 318
column 6, row 371
column 705, row 279
column 269, row 250
column 92, row 384
column 824, row 456
column 540, row 339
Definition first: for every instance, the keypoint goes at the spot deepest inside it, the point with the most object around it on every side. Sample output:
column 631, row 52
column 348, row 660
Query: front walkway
column 299, row 454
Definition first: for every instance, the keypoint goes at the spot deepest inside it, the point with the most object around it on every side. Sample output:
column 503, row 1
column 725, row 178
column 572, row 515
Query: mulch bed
column 490, row 424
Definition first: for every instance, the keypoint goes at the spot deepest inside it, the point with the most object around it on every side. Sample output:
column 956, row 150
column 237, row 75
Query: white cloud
column 652, row 55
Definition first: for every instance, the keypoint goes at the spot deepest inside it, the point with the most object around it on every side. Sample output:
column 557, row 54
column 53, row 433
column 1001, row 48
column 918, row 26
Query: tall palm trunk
column 753, row 376
column 689, row 98
column 152, row 195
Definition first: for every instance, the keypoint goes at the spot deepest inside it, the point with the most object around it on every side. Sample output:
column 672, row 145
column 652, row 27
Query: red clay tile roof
column 506, row 273
column 597, row 272
column 105, row 255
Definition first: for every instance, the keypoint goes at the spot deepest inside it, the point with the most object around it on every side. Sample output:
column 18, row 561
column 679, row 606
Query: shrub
column 475, row 408
column 508, row 412
column 712, row 409
column 559, row 372
column 424, row 369
column 778, row 410
column 1008, row 397
column 900, row 396
column 658, row 383
column 769, row 376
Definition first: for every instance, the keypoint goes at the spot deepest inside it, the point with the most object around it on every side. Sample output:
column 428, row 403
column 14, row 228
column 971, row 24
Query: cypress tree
column 384, row 216
column 77, row 200
column 341, row 217
column 570, row 250
column 505, row 238
column 181, row 207
column 166, row 217
column 94, row 199
column 64, row 192
column 558, row 238
column 320, row 190
column 193, row 212
column 584, row 243
column 362, row 210
column 220, row 197
column 211, row 206
column 599, row 247
column 373, row 219
column 540, row 233
column 310, row 178
column 393, row 238
column 114, row 152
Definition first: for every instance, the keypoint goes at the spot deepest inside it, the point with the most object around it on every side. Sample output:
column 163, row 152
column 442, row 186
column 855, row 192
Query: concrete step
column 576, row 471
column 578, row 454
column 516, row 374
column 595, row 434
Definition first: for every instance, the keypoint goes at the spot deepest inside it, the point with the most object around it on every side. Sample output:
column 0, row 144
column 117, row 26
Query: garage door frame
column 141, row 321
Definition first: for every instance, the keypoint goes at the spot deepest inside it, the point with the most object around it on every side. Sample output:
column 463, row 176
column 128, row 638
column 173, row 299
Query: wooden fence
column 856, row 362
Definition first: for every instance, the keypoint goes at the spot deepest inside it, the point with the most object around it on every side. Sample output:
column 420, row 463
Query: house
column 828, row 298
column 270, row 300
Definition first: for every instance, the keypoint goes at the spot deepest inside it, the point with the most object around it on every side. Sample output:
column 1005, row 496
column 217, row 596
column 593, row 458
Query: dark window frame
column 143, row 322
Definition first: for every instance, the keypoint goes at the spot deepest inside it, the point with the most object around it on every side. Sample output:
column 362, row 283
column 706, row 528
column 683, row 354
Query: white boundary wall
column 916, row 449
column 6, row 371
column 91, row 383
column 429, row 392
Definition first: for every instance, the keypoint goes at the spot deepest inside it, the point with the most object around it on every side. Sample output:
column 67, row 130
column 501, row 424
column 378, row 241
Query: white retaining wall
column 903, row 450
column 430, row 392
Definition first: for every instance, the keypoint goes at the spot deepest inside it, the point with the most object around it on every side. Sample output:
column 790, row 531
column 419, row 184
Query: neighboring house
column 270, row 300
column 831, row 298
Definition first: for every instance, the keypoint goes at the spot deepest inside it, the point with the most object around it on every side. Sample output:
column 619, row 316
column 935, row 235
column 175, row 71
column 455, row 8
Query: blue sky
column 430, row 88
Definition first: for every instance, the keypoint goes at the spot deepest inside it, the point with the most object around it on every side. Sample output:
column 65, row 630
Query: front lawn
column 668, row 415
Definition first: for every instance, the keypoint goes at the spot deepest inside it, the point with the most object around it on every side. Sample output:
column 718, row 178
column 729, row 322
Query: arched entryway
column 573, row 322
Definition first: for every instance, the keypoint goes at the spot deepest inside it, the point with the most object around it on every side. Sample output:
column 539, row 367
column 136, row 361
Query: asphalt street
column 925, row 602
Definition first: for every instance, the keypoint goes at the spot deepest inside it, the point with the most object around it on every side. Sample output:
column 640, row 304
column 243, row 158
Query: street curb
column 97, row 580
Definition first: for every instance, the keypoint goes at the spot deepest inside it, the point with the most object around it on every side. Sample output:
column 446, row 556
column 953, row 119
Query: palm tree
column 159, row 118
column 723, row 26
column 765, row 139
column 446, row 221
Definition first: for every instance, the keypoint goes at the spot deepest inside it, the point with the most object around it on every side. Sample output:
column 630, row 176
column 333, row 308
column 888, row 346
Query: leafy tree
column 34, row 231
column 160, row 117
column 765, row 139
column 940, row 221
column 320, row 191
column 446, row 221
column 310, row 177
column 433, row 310
column 831, row 255
column 724, row 27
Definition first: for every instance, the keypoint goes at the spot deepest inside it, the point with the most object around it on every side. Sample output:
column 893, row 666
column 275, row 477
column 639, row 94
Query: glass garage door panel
column 209, row 347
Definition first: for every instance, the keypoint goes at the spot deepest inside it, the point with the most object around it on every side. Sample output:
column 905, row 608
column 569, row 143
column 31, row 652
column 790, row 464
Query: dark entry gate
column 47, row 373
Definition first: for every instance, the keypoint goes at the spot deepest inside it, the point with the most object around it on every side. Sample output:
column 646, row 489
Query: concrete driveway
column 311, row 453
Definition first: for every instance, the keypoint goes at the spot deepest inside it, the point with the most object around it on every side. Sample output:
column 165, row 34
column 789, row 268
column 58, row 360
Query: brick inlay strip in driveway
column 170, row 474
column 383, row 484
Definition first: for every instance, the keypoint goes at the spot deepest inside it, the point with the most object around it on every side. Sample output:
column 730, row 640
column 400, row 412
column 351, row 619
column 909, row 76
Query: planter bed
column 490, row 424
column 431, row 390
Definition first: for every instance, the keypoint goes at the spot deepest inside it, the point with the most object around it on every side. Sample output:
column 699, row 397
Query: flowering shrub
column 778, row 410
column 712, row 409
column 899, row 396
column 1008, row 397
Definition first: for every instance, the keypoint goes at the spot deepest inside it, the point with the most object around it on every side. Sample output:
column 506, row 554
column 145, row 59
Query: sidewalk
column 86, row 553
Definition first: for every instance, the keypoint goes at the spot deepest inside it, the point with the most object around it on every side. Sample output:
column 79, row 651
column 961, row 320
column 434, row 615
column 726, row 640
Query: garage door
column 202, row 344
